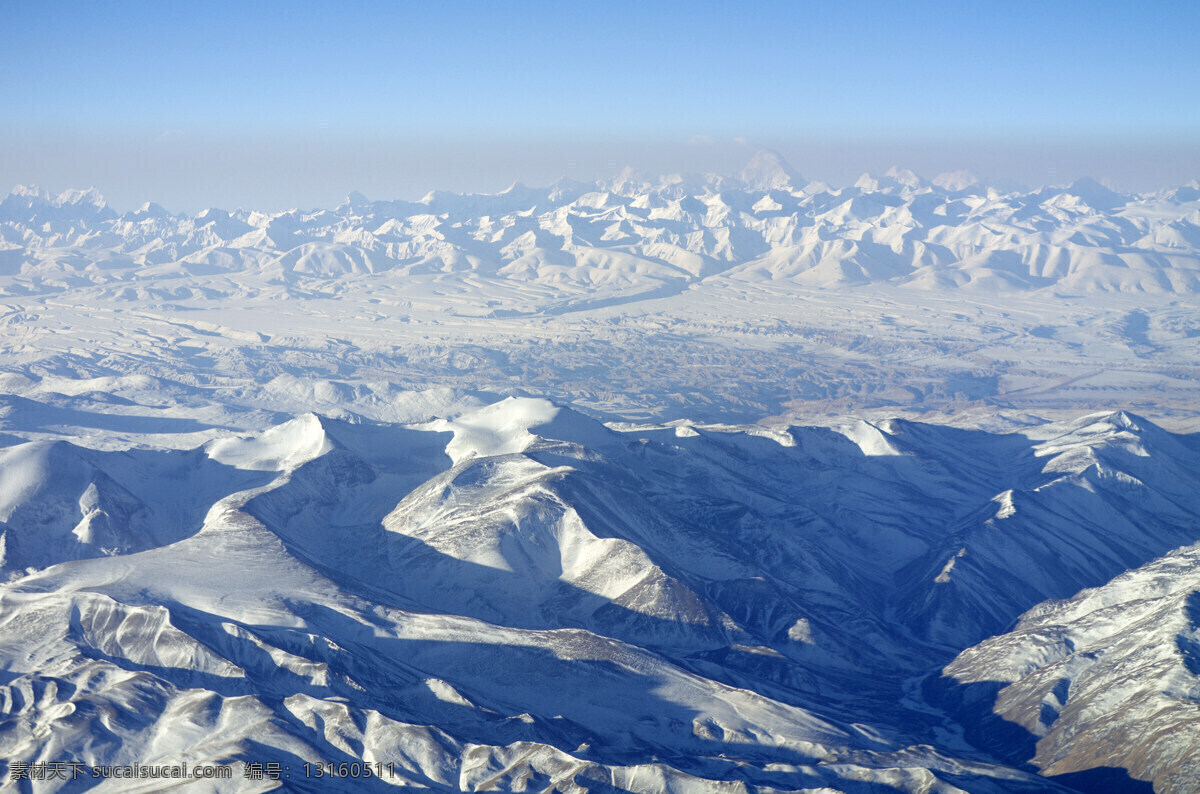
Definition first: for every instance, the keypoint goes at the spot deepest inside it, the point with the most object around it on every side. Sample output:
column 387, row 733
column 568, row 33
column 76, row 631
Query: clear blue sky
column 277, row 103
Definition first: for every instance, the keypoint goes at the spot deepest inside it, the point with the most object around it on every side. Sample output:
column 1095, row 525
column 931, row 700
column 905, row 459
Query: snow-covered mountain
column 516, row 595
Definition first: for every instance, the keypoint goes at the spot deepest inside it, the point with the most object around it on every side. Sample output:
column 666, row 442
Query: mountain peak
column 767, row 170
column 75, row 197
column 30, row 192
column 628, row 179
column 517, row 188
column 148, row 210
column 894, row 177
column 904, row 176
column 955, row 180
column 1095, row 194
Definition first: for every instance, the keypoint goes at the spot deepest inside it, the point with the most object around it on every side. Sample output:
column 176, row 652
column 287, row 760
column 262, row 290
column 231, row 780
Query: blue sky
column 272, row 104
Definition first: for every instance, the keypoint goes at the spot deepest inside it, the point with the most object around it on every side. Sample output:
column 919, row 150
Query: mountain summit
column 767, row 170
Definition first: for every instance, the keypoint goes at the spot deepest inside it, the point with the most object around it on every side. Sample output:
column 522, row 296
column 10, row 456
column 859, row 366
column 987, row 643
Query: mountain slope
column 517, row 595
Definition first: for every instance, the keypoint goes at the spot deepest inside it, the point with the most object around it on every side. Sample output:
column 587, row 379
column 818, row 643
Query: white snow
column 279, row 449
column 502, row 428
column 707, row 477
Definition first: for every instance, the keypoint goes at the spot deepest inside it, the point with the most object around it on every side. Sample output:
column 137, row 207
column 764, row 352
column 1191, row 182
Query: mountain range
column 683, row 483
column 638, row 234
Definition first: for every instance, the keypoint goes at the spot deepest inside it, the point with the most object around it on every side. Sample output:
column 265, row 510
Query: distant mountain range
column 634, row 234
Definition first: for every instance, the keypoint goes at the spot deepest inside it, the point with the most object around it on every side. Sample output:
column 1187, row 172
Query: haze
column 251, row 106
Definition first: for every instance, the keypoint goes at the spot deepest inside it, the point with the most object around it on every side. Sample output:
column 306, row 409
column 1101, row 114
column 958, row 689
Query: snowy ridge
column 516, row 595
column 1115, row 667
